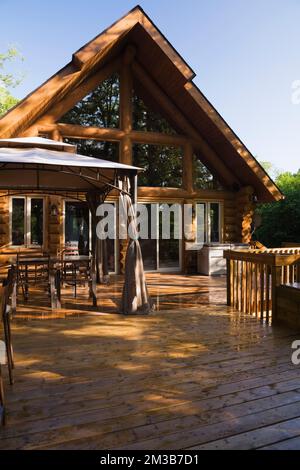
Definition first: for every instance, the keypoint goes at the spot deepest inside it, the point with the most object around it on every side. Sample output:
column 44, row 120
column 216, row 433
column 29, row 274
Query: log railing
column 253, row 276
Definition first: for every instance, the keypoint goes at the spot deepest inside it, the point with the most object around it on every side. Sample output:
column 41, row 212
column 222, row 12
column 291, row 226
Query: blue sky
column 246, row 55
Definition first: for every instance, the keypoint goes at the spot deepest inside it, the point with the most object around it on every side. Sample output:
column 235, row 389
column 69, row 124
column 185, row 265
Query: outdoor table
column 55, row 264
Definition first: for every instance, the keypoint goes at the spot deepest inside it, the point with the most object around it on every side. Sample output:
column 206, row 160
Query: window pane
column 169, row 249
column 100, row 108
column 147, row 120
column 149, row 246
column 37, row 222
column 215, row 222
column 162, row 165
column 202, row 177
column 18, row 225
column 96, row 149
column 77, row 226
column 201, row 223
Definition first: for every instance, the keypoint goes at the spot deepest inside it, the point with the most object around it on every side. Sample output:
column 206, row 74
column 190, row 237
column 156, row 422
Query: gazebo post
column 134, row 190
column 93, row 282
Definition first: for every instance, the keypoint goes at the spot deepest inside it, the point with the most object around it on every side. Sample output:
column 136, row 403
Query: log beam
column 113, row 135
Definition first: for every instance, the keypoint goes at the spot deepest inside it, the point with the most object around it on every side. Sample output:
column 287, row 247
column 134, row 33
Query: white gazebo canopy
column 33, row 164
column 37, row 142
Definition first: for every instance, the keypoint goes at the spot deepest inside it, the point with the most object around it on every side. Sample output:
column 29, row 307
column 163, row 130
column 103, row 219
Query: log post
column 276, row 281
column 245, row 211
column 229, row 281
column 126, row 92
column 187, row 170
column 56, row 135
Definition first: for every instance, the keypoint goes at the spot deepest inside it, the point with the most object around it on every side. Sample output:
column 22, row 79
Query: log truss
column 129, row 70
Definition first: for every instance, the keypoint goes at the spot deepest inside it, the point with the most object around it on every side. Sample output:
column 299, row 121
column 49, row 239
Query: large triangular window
column 100, row 108
column 202, row 177
column 149, row 119
column 95, row 148
column 162, row 165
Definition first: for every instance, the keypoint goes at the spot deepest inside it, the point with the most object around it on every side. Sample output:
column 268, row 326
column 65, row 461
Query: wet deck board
column 194, row 375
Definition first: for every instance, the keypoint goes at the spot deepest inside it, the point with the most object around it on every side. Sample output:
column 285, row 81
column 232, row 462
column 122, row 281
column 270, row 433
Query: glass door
column 77, row 231
column 160, row 253
column 149, row 247
column 169, row 247
column 77, row 226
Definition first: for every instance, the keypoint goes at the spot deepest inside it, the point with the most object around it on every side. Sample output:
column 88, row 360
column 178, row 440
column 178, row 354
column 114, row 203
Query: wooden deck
column 193, row 375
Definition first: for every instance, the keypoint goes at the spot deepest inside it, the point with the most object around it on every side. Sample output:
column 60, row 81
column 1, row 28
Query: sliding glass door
column 161, row 251
column 77, row 226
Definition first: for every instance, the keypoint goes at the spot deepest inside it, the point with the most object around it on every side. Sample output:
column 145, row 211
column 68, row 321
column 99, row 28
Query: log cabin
column 128, row 95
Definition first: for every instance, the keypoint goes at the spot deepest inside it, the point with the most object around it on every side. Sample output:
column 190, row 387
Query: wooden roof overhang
column 157, row 66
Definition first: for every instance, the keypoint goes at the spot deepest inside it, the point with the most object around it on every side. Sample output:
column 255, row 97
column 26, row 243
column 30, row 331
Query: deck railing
column 253, row 275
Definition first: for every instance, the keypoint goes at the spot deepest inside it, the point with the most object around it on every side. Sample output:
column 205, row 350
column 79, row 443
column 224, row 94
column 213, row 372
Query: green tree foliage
column 100, row 108
column 147, row 120
column 281, row 220
column 8, row 80
column 162, row 165
column 271, row 169
column 203, row 178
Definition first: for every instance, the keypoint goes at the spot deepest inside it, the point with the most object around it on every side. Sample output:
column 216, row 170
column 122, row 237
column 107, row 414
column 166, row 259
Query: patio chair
column 35, row 273
column 73, row 272
column 7, row 307
column 69, row 250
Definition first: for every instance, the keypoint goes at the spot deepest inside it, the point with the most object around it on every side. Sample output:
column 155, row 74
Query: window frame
column 27, row 221
column 208, row 220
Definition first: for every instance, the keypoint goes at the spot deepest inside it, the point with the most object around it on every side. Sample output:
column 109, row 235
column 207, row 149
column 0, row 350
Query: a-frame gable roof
column 170, row 73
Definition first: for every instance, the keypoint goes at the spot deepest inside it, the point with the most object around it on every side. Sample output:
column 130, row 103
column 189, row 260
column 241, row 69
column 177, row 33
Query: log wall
column 236, row 221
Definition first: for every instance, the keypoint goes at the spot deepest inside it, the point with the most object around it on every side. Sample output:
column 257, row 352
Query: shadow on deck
column 194, row 374
column 168, row 291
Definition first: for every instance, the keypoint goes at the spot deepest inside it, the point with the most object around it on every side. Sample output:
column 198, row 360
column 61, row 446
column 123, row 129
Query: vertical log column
column 187, row 171
column 56, row 135
column 55, row 224
column 4, row 220
column 245, row 212
column 126, row 93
